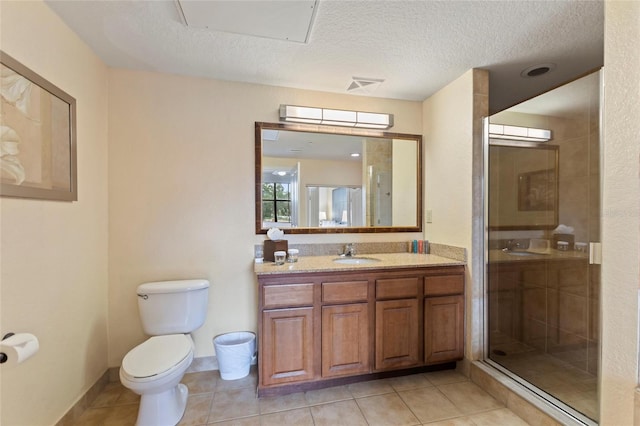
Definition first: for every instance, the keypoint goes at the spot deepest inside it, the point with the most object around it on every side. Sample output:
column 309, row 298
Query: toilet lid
column 157, row 355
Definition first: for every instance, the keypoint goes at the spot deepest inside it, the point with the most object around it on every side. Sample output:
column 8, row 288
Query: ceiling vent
column 364, row 85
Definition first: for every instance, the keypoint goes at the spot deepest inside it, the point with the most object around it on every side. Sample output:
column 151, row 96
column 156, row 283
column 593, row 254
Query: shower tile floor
column 444, row 398
column 555, row 374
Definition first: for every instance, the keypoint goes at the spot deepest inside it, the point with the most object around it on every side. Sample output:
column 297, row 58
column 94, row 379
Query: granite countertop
column 326, row 263
column 551, row 254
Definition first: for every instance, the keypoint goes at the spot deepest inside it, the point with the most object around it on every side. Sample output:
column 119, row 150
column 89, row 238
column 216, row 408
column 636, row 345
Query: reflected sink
column 356, row 260
column 520, row 253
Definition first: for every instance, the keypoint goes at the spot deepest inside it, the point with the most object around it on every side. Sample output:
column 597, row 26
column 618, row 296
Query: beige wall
column 448, row 133
column 621, row 213
column 54, row 254
column 181, row 188
column 452, row 121
column 181, row 151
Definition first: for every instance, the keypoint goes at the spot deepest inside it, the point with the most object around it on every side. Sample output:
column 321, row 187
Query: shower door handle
column 595, row 253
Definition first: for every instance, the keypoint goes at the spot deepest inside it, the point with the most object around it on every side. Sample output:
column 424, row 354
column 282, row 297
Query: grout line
column 260, row 415
column 361, row 412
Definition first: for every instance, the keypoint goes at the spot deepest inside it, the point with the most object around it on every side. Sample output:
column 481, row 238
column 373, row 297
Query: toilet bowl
column 169, row 311
column 153, row 370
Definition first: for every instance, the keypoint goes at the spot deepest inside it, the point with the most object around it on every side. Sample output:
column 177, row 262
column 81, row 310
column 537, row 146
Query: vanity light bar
column 500, row 131
column 335, row 117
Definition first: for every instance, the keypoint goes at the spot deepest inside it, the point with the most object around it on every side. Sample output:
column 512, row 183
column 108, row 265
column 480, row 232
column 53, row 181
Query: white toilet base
column 164, row 408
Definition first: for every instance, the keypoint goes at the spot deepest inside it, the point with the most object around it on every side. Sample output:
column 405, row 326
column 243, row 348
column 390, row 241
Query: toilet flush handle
column 144, row 296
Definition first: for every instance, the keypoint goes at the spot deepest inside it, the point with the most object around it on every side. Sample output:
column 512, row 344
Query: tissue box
column 271, row 246
column 563, row 237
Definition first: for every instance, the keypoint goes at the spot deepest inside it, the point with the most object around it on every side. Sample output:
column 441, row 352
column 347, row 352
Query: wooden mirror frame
column 259, row 126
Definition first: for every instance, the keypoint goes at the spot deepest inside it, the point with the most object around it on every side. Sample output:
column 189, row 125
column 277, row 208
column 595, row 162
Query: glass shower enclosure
column 542, row 217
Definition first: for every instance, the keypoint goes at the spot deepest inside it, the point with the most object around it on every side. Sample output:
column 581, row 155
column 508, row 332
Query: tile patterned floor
column 575, row 387
column 554, row 374
column 444, row 398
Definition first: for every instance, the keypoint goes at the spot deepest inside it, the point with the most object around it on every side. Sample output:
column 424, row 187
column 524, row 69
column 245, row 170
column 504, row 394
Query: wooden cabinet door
column 397, row 334
column 287, row 345
column 345, row 340
column 443, row 329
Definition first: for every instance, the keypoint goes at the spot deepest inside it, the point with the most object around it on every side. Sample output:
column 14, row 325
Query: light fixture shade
column 335, row 117
column 530, row 134
column 340, row 117
column 374, row 120
column 300, row 114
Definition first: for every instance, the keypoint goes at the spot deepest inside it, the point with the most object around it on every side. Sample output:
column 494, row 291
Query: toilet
column 169, row 310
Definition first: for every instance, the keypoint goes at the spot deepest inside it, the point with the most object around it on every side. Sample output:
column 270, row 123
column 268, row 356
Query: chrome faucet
column 349, row 250
column 512, row 246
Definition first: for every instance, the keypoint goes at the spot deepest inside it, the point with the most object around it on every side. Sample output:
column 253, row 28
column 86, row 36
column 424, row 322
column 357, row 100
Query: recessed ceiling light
column 537, row 70
column 270, row 135
column 355, row 154
column 280, row 173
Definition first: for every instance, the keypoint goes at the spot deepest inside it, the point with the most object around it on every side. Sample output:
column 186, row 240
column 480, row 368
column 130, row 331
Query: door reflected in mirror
column 317, row 179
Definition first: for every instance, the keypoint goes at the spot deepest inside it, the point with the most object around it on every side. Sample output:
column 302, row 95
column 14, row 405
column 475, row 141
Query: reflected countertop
column 525, row 256
column 326, row 263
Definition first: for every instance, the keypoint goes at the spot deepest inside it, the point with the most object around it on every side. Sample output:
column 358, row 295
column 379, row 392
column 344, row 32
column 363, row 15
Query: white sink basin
column 356, row 260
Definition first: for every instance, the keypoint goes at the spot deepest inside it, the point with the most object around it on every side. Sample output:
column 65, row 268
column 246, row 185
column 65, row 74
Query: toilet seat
column 156, row 357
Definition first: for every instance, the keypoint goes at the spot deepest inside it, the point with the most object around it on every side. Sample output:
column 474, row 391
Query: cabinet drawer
column 287, row 295
column 343, row 292
column 443, row 284
column 397, row 288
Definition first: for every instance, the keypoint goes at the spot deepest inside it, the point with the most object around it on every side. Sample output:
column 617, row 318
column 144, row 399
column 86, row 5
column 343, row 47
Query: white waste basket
column 234, row 352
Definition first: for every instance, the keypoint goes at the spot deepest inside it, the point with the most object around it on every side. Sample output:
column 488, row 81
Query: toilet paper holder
column 3, row 357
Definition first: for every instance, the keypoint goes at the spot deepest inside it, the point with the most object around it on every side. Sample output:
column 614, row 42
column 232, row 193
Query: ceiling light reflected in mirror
column 529, row 134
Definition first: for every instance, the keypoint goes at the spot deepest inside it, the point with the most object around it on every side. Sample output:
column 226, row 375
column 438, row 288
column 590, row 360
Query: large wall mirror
column 319, row 179
column 524, row 186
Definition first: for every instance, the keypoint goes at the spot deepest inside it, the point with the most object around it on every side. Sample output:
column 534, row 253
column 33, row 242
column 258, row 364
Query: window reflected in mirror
column 276, row 203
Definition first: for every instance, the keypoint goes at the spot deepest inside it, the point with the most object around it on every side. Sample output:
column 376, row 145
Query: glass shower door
column 543, row 214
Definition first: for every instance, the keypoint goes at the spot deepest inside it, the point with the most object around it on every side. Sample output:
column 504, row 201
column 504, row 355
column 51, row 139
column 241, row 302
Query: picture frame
column 537, row 191
column 37, row 136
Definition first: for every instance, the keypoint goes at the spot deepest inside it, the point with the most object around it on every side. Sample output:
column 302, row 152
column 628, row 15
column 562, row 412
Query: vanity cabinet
column 345, row 340
column 397, row 337
column 443, row 318
column 345, row 328
column 320, row 329
column 287, row 333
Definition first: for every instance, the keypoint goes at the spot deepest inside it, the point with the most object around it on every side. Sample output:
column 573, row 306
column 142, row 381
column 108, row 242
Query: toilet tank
column 171, row 307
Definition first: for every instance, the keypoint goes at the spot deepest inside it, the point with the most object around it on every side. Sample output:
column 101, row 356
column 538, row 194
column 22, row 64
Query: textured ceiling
column 416, row 47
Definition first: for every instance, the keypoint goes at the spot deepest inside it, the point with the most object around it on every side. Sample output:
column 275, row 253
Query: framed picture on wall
column 37, row 136
column 537, row 190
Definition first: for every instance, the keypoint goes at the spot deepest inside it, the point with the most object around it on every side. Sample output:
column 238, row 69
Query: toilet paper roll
column 18, row 348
